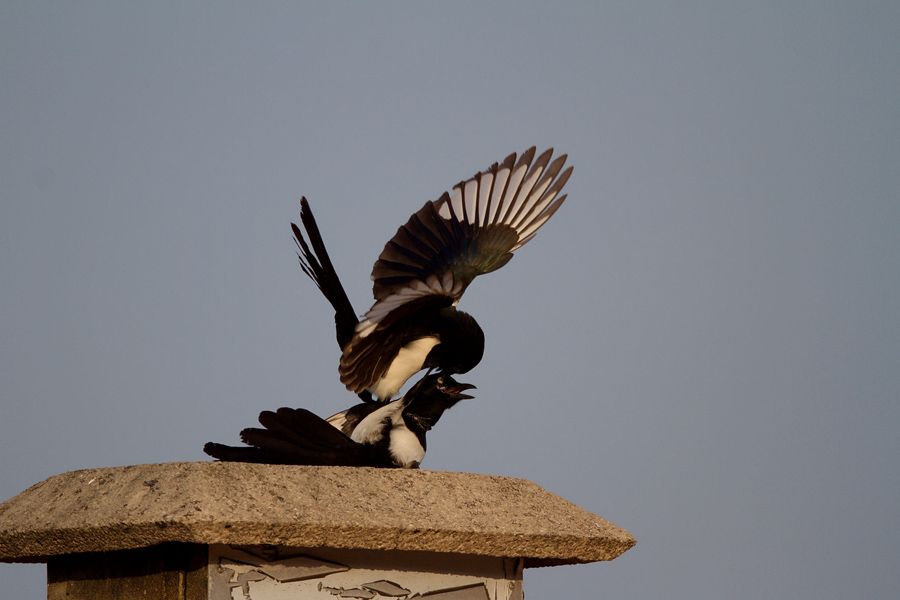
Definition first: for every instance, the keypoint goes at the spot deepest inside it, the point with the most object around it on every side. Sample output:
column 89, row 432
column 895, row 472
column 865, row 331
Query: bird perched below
column 366, row 435
column 426, row 267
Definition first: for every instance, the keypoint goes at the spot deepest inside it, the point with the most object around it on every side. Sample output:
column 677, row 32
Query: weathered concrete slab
column 139, row 506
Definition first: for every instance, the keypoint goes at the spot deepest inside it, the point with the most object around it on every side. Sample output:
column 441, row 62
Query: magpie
column 426, row 267
column 365, row 435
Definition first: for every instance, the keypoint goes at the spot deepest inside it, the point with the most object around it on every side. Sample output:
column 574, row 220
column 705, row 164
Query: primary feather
column 433, row 258
column 426, row 267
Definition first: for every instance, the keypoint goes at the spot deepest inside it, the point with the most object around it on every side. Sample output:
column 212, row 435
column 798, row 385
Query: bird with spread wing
column 426, row 267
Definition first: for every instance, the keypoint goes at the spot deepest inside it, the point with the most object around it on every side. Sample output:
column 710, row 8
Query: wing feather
column 500, row 186
column 445, row 245
column 486, row 186
column 514, row 185
column 468, row 231
column 293, row 436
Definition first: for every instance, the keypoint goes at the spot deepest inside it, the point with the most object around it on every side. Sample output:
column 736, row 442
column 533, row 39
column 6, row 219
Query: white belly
column 405, row 447
column 409, row 361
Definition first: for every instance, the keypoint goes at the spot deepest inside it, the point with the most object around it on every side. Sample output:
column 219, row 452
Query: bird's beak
column 456, row 389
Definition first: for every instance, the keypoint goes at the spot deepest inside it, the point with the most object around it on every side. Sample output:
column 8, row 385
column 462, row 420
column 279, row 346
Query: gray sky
column 703, row 345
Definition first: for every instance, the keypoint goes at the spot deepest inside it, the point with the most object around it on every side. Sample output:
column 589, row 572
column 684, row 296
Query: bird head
column 462, row 341
column 432, row 395
column 446, row 385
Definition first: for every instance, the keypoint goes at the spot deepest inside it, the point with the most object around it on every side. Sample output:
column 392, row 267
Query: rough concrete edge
column 36, row 545
column 32, row 546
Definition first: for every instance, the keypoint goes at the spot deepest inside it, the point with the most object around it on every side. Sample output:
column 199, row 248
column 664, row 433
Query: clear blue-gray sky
column 703, row 345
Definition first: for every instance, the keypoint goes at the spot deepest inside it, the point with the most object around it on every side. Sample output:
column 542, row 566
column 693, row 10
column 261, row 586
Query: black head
column 462, row 341
column 432, row 395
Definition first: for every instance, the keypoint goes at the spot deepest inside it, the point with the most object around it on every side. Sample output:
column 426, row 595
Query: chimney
column 238, row 531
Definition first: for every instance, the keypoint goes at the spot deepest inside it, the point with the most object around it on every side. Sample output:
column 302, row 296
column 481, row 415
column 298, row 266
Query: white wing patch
column 368, row 431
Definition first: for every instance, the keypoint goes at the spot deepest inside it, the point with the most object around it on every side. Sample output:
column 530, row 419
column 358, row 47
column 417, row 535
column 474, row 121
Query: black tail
column 235, row 454
column 318, row 267
column 293, row 437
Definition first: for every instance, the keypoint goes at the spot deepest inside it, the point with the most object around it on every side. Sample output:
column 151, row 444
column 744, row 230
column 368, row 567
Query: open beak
column 456, row 389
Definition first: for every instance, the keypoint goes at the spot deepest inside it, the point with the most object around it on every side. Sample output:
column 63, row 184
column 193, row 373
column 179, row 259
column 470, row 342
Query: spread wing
column 469, row 231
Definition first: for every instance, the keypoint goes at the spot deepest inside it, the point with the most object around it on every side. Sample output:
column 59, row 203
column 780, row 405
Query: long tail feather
column 317, row 265
column 293, row 437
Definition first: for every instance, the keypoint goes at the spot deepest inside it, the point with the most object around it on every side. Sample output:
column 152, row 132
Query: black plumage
column 425, row 268
column 366, row 435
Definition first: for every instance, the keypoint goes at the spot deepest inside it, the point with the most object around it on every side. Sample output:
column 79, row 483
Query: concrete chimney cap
column 98, row 510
